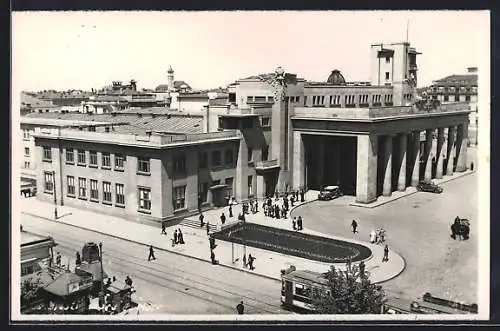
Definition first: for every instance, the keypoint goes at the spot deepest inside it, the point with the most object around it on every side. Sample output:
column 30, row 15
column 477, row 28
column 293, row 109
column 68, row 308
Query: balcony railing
column 269, row 164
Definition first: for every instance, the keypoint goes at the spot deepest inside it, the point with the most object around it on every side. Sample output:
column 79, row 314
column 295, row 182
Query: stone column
column 298, row 179
column 462, row 137
column 440, row 153
column 427, row 154
column 261, row 187
column 366, row 174
column 402, row 162
column 415, row 176
column 387, row 189
column 450, row 150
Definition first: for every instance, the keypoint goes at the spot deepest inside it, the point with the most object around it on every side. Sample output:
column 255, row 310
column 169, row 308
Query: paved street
column 418, row 227
column 172, row 284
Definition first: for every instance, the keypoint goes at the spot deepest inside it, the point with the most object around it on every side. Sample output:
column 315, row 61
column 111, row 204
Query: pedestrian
column 176, row 238
column 230, row 210
column 78, row 259
column 58, row 259
column 208, row 228
column 299, row 224
column 354, row 225
column 386, row 254
column 472, row 166
column 240, row 308
column 292, row 199
column 294, row 223
column 223, row 218
column 265, row 209
column 163, row 227
column 244, row 261
column 302, row 194
column 250, row 261
column 201, row 220
column 128, row 281
column 256, row 206
column 212, row 258
column 283, row 211
column 151, row 253
column 180, row 236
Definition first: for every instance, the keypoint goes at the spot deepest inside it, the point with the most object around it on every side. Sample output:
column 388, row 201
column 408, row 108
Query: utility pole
column 101, row 292
column 55, row 194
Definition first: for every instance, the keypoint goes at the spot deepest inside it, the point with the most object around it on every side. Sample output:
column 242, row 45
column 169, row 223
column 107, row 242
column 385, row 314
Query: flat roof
column 238, row 115
column 29, row 238
column 59, row 122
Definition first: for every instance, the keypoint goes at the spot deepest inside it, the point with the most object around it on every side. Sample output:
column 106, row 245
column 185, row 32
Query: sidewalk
column 381, row 200
column 267, row 263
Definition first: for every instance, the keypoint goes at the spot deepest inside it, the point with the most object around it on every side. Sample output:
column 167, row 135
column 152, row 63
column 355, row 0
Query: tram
column 297, row 287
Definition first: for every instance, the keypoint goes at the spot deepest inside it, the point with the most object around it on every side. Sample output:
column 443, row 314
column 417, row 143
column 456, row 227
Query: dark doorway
column 331, row 160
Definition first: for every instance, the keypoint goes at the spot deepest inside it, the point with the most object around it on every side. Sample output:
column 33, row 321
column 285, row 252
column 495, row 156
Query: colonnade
column 383, row 169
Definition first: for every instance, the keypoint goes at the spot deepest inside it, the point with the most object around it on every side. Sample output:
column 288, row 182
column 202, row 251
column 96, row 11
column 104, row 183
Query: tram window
column 282, row 285
column 302, row 290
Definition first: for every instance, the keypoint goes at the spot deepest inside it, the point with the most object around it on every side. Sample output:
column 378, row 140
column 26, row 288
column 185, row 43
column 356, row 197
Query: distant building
column 30, row 103
column 459, row 88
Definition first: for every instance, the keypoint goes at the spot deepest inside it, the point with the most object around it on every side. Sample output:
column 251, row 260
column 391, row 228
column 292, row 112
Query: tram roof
column 307, row 275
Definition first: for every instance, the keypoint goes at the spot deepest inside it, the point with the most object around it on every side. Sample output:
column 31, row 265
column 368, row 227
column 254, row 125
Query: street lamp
column 55, row 196
column 101, row 293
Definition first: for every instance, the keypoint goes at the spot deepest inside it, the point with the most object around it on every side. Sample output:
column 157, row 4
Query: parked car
column 329, row 193
column 428, row 186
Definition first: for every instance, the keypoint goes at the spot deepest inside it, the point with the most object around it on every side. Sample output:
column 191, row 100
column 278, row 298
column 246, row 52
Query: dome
column 170, row 70
column 336, row 78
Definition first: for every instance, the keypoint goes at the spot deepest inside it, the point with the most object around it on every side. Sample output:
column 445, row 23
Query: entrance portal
column 330, row 160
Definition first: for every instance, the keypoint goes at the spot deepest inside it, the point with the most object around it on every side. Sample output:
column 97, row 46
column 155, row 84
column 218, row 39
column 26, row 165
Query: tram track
column 177, row 279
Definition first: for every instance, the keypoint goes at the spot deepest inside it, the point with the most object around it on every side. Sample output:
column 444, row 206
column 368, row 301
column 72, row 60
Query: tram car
column 297, row 287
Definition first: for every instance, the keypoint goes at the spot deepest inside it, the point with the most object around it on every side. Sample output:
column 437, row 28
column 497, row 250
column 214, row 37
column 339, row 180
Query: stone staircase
column 195, row 224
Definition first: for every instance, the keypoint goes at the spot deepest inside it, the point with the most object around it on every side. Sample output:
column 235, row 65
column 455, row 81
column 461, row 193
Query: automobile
column 329, row 193
column 428, row 186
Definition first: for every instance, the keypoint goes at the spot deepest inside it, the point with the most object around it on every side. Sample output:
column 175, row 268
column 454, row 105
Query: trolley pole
column 101, row 293
column 232, row 252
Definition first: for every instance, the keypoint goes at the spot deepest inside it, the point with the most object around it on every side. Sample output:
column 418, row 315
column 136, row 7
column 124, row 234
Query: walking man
column 294, row 223
column 302, row 193
column 299, row 223
column 240, row 308
column 163, row 227
column 386, row 254
column 223, row 218
column 151, row 253
column 250, row 261
column 208, row 228
column 354, row 225
column 180, row 237
column 176, row 238
column 201, row 220
column 230, row 210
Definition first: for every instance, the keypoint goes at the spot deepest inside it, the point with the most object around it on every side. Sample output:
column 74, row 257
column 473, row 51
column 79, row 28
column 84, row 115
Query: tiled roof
column 29, row 100
column 59, row 286
column 179, row 83
column 178, row 123
column 457, row 79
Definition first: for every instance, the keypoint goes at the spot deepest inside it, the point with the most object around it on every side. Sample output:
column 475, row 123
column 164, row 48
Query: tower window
column 387, row 59
column 387, row 75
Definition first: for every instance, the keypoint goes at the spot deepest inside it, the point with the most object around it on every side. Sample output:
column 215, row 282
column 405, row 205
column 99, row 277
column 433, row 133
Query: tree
column 30, row 290
column 348, row 292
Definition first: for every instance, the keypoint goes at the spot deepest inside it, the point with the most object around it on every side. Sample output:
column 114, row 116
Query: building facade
column 275, row 132
column 35, row 250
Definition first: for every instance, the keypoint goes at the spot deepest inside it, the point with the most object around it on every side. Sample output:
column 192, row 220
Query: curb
column 158, row 248
column 354, row 204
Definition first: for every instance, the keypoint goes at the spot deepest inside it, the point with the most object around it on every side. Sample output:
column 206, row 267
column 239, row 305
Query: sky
column 84, row 50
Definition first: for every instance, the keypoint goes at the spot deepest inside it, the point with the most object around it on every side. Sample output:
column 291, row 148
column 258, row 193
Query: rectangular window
column 216, row 158
column 229, row 189
column 106, row 192
column 179, row 197
column 70, row 156
column 457, row 98
column 26, row 151
column 26, row 134
column 106, row 161
column 26, row 164
column 266, row 121
column 387, row 59
column 305, row 100
column 250, row 186
column 93, row 159
column 81, row 157
column 119, row 162
column 203, row 192
column 387, row 75
column 203, row 160
column 120, row 195
column 250, row 154
column 228, row 156
column 180, row 164
column 49, row 182
column 143, row 165
column 467, row 98
column 47, row 154
column 216, row 182
column 71, row 186
column 144, row 199
column 94, row 191
column 82, row 188
column 446, row 98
